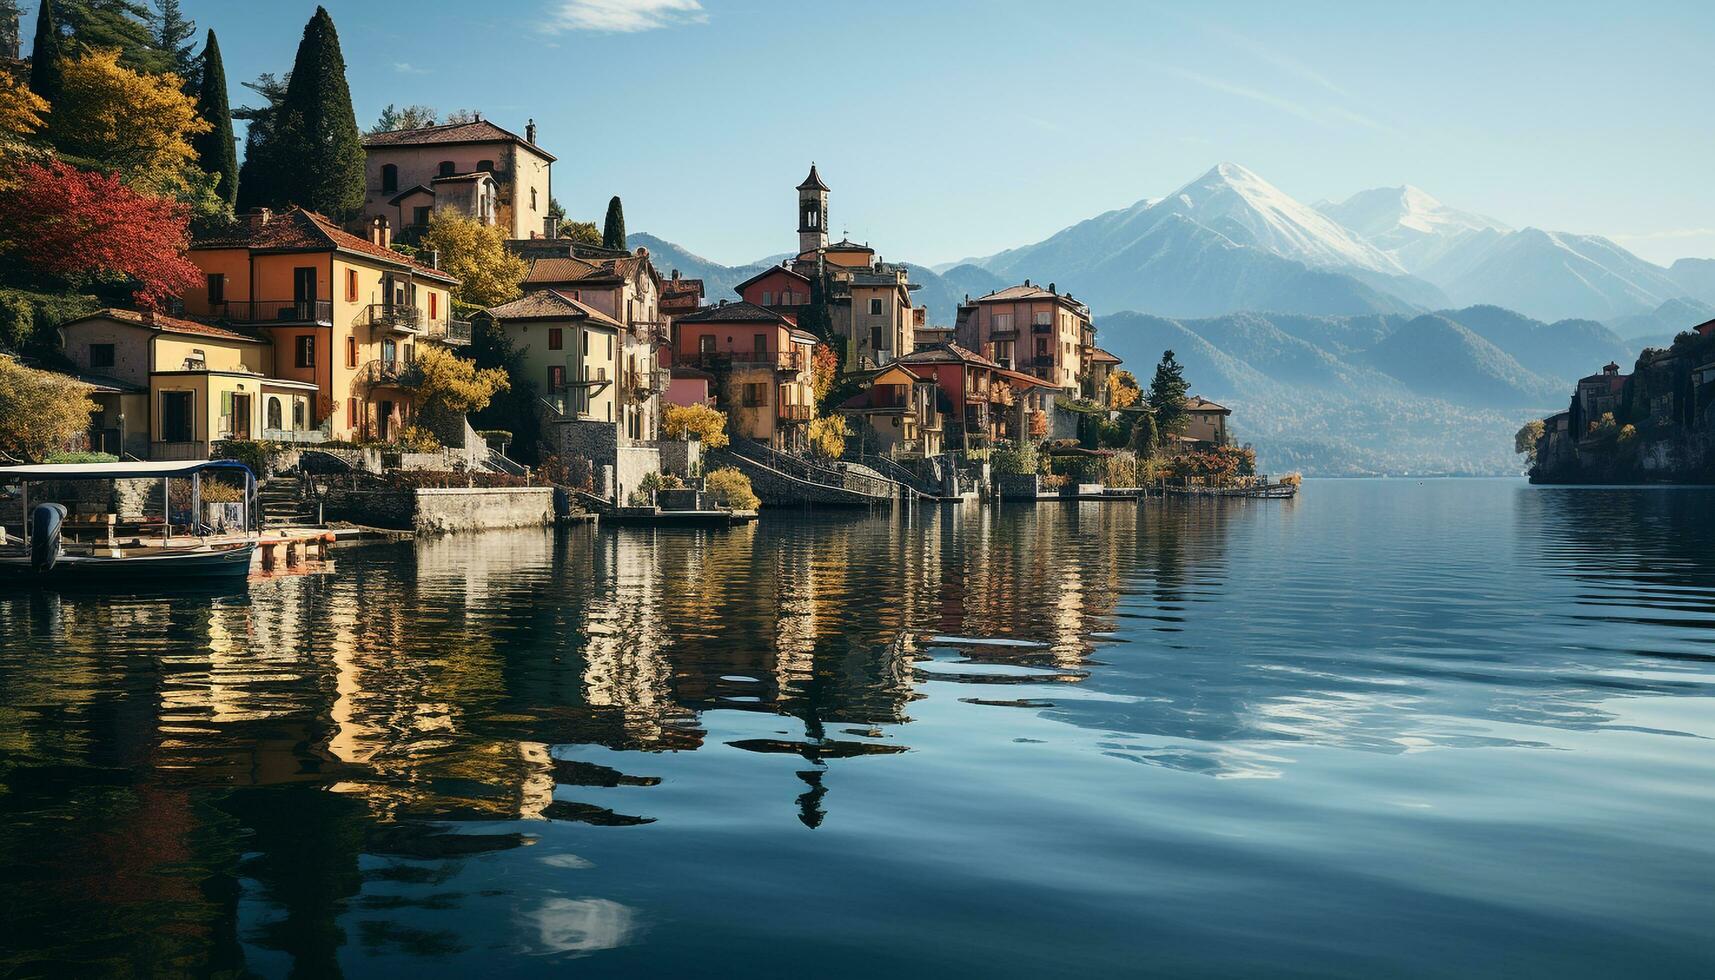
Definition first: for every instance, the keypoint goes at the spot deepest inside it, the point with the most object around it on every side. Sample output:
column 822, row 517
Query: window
column 389, row 178
column 706, row 344
column 610, row 346
column 176, row 416
column 875, row 307
column 351, row 411
column 420, row 216
column 447, row 169
column 351, row 352
column 216, row 288
column 755, row 395
column 532, row 198
column 767, row 298
column 586, row 344
column 487, row 166
column 556, row 338
column 298, row 413
column 306, row 351
column 434, row 305
column 1041, row 348
column 389, row 352
column 351, row 285
column 556, row 376
column 1002, row 321
column 1042, row 318
column 100, row 355
column 761, row 343
column 875, row 337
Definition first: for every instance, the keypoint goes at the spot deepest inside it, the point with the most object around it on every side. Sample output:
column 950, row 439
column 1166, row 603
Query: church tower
column 812, row 213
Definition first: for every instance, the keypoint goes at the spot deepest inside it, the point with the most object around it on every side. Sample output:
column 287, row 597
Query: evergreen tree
column 256, row 179
column 11, row 28
column 1167, row 395
column 122, row 24
column 217, row 153
column 173, row 35
column 613, row 232
column 47, row 74
column 410, row 117
column 316, row 142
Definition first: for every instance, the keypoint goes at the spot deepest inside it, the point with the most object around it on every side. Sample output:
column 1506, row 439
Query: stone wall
column 681, row 457
column 387, row 508
column 481, row 508
column 631, row 465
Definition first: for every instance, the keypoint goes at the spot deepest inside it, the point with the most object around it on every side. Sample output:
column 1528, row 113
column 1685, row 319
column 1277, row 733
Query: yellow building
column 343, row 313
column 166, row 387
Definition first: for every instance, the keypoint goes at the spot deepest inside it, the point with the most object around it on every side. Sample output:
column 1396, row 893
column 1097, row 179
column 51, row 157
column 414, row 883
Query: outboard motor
column 45, row 521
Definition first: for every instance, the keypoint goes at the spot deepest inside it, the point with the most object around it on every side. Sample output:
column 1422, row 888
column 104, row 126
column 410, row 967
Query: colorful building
column 475, row 168
column 761, row 364
column 1042, row 332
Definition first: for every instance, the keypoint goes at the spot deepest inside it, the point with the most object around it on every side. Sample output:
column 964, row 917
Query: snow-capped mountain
column 1413, row 228
column 1228, row 240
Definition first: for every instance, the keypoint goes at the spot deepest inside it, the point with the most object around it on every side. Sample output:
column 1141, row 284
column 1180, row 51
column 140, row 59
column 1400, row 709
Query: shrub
column 80, row 456
column 417, row 439
column 252, row 453
column 1120, row 470
column 40, row 412
column 660, row 481
column 1016, row 460
column 217, row 492
column 732, row 488
column 1292, row 480
column 828, row 436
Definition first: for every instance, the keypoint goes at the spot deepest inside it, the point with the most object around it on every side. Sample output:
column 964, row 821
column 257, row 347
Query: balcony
column 1042, row 328
column 285, row 312
column 1008, row 332
column 788, row 362
column 793, row 413
column 1042, row 360
column 653, row 331
column 450, row 332
column 645, row 384
column 396, row 317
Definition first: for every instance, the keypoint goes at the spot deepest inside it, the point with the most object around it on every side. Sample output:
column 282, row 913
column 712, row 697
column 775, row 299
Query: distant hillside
column 718, row 279
column 1658, row 327
column 1433, row 355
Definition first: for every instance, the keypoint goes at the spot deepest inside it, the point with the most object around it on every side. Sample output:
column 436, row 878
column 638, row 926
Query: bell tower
column 812, row 213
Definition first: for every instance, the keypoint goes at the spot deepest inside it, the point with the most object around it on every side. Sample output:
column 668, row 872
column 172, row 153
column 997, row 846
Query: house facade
column 898, row 414
column 1042, row 332
column 476, row 168
column 568, row 349
column 1206, row 422
column 342, row 313
column 168, row 388
column 761, row 365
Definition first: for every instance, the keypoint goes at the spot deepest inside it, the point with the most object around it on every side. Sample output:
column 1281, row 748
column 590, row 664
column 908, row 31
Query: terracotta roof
column 1025, row 291
column 1027, row 380
column 551, row 304
column 740, row 312
column 169, row 324
column 847, row 245
column 479, row 131
column 1705, row 328
column 1103, row 357
column 299, row 230
column 1197, row 403
column 591, row 271
column 813, row 182
column 948, row 352
column 771, row 270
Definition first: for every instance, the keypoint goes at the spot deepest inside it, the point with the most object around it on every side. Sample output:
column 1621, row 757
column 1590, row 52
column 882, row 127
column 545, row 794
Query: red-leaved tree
column 85, row 227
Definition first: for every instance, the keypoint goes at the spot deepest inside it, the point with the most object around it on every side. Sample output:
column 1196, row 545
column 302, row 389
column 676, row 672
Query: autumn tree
column 118, row 119
column 824, row 370
column 1167, row 391
column 449, row 384
column 1525, row 440
column 707, row 424
column 613, row 232
column 216, row 150
column 316, row 147
column 40, row 411
column 828, row 436
column 407, row 117
column 84, row 228
column 476, row 253
column 21, row 110
column 1123, row 391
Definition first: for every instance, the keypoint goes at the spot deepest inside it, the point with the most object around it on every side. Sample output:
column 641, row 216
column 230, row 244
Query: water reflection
column 272, row 782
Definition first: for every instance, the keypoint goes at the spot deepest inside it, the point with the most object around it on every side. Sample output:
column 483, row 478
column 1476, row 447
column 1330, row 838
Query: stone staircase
column 281, row 503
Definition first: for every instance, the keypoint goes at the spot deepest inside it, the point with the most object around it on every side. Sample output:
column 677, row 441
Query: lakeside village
column 402, row 329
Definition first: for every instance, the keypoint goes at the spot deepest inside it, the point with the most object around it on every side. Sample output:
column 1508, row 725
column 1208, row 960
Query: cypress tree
column 613, row 233
column 47, row 75
column 217, row 152
column 1167, row 395
column 316, row 135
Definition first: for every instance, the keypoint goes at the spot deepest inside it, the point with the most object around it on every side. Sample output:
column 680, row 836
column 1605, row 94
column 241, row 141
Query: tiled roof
column 1025, row 291
column 765, row 273
column 480, row 131
column 299, row 230
column 1103, row 357
column 592, row 271
column 847, row 245
column 551, row 304
column 947, row 353
column 1026, row 380
column 1197, row 403
column 170, row 324
column 813, row 182
column 805, row 336
column 740, row 312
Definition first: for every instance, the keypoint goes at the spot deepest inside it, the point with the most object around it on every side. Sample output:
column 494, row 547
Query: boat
column 182, row 548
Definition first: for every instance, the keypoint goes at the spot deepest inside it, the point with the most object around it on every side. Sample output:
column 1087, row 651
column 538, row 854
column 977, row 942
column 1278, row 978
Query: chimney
column 1027, row 282
column 675, row 275
column 551, row 227
column 530, row 132
column 1053, row 290
column 256, row 220
column 434, row 258
column 379, row 233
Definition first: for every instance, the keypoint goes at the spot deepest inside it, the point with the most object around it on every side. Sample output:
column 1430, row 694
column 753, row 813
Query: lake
column 1451, row 728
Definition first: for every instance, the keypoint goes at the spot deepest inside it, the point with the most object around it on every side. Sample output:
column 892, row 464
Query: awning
column 135, row 470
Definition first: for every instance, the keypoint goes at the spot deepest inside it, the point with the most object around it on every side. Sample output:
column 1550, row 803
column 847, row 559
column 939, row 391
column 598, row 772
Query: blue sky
column 950, row 128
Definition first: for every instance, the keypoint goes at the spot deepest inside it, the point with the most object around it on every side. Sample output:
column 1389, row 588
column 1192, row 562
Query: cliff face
column 1662, row 429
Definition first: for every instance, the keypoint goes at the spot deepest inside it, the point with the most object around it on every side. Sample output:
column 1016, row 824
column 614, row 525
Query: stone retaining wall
column 480, row 508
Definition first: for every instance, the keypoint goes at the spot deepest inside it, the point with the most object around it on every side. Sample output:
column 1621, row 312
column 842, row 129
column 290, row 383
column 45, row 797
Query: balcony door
column 304, row 292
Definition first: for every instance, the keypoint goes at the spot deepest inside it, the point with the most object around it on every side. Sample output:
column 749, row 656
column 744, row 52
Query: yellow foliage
column 1122, row 390
column 20, row 109
column 416, row 439
column 732, row 488
column 707, row 424
column 828, row 436
column 40, row 411
column 449, row 383
column 488, row 274
column 138, row 124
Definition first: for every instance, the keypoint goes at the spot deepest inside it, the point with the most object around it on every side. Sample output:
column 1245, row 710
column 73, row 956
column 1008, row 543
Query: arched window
column 447, row 169
column 485, row 165
column 274, row 414
column 532, row 198
column 389, row 178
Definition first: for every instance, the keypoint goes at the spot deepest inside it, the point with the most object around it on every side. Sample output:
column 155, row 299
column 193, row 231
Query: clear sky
column 950, row 128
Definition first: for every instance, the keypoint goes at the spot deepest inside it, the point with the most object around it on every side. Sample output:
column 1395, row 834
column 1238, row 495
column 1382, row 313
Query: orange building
column 1043, row 332
column 761, row 365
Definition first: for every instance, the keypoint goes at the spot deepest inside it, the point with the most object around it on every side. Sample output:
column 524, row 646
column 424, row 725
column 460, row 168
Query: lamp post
column 121, row 452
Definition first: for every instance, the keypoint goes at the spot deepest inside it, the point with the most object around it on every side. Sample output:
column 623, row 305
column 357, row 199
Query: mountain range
column 1384, row 333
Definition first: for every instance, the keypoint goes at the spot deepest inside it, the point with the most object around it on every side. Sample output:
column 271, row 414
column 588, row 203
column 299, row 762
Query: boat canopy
column 134, row 470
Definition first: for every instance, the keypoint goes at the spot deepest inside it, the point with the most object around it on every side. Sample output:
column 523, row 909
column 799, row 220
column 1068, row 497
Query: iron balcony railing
column 793, row 413
column 323, row 433
column 397, row 317
column 789, row 361
column 1042, row 328
column 455, row 332
column 286, row 311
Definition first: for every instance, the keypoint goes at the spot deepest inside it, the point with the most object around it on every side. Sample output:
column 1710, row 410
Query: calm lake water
column 1459, row 728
